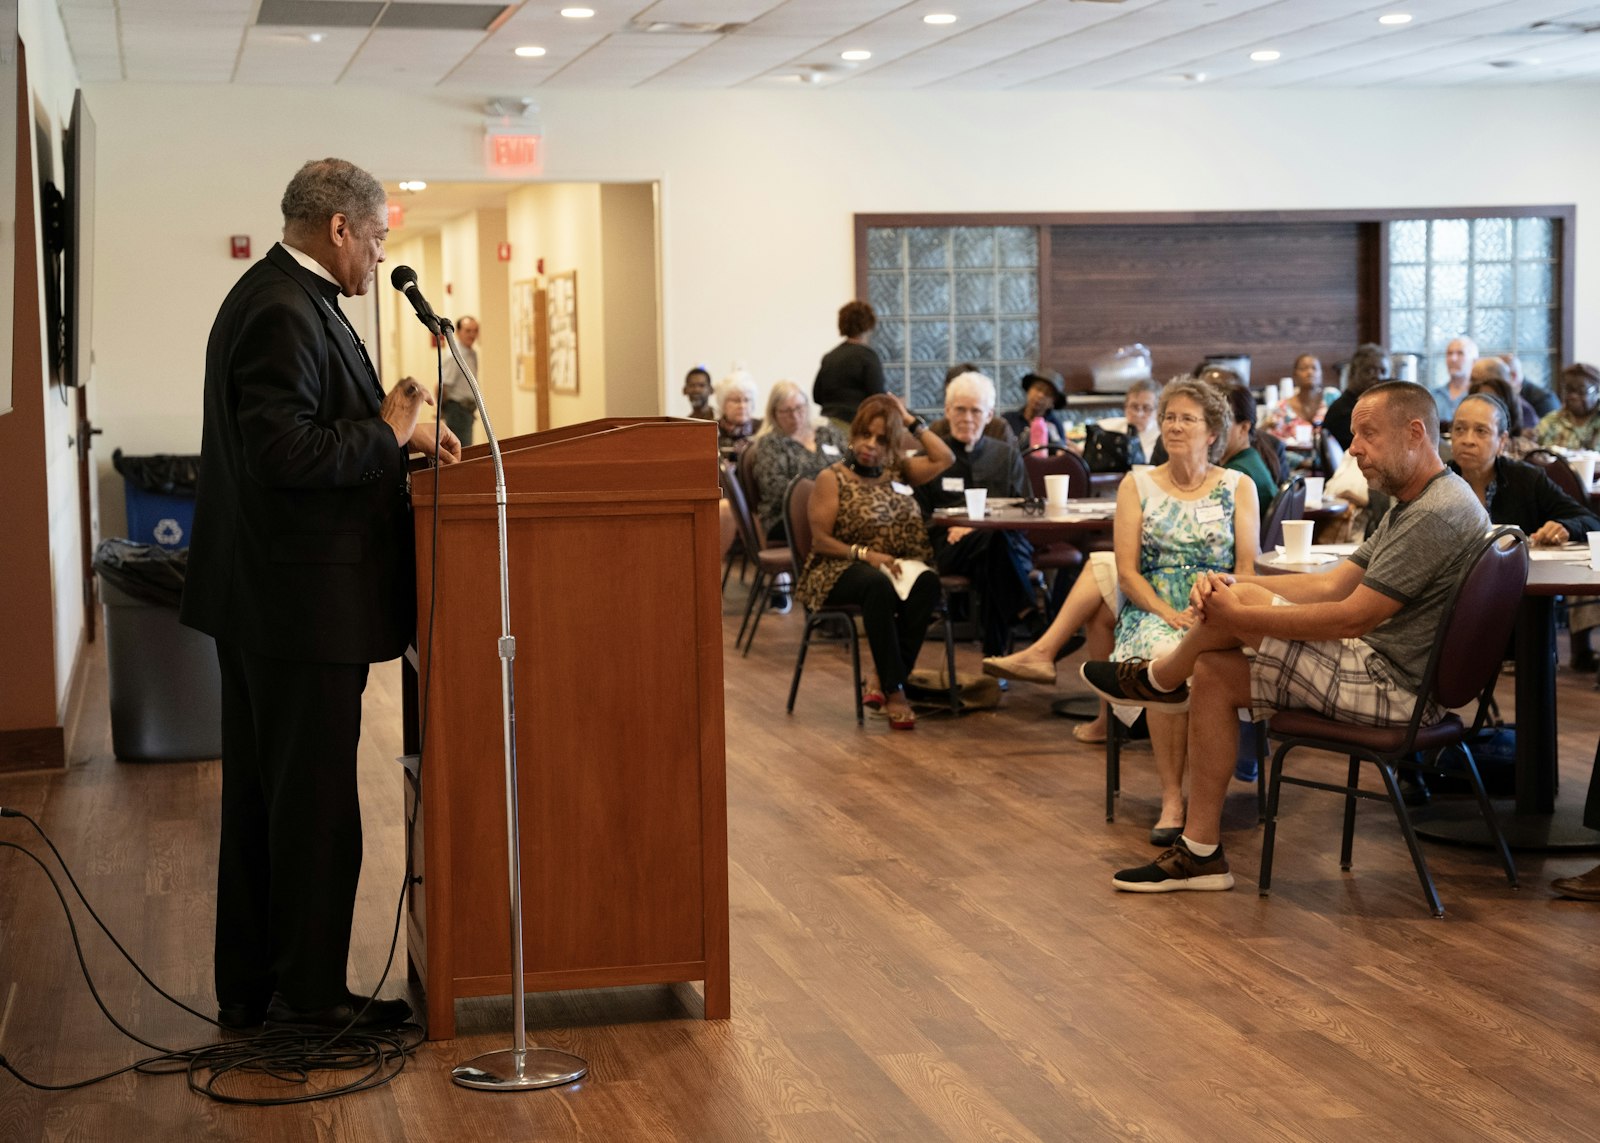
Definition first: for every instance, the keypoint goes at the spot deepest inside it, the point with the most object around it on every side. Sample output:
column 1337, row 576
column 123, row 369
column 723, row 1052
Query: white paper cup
column 1314, row 491
column 1297, row 541
column 1594, row 551
column 1057, row 489
column 976, row 498
column 1584, row 467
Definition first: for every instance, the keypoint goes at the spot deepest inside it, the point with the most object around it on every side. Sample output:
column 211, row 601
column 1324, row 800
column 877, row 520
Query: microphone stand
column 518, row 1068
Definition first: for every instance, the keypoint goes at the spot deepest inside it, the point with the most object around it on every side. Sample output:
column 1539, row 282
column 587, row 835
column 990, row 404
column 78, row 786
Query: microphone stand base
column 537, row 1068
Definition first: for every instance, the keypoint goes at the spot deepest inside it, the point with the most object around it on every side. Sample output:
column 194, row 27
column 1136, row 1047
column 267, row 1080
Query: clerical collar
column 312, row 264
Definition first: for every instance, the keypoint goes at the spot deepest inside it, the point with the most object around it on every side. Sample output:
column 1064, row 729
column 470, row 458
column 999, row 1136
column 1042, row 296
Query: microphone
column 404, row 279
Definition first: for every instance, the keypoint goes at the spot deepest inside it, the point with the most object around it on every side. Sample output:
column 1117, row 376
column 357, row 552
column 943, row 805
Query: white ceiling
column 1028, row 45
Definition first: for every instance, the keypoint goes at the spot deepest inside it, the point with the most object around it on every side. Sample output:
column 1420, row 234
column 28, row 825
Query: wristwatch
column 917, row 427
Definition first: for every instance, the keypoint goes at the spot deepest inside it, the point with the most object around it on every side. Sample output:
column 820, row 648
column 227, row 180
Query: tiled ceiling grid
column 994, row 45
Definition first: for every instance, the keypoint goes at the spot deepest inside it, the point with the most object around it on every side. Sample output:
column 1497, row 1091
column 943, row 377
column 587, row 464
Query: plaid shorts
column 1336, row 678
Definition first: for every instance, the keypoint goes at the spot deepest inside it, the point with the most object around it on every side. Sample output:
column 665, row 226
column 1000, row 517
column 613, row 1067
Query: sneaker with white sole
column 1177, row 870
column 1128, row 683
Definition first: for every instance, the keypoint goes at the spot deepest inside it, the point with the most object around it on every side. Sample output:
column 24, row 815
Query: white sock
column 1150, row 673
column 1198, row 849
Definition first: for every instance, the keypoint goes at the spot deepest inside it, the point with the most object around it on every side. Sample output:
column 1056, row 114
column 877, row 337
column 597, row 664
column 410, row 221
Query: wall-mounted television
column 79, row 146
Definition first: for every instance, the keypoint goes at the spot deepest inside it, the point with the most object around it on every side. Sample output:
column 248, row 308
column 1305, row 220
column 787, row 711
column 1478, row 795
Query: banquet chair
column 798, row 504
column 770, row 562
column 1288, row 504
column 1560, row 474
column 1462, row 667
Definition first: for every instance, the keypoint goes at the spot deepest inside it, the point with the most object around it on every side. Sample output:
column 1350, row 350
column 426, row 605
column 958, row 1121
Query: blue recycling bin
column 160, row 497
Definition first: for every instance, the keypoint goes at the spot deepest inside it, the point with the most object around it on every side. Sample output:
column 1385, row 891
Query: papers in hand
column 909, row 571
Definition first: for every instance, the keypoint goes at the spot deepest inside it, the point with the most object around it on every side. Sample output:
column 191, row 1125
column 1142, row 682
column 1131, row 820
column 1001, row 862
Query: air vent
column 682, row 28
column 430, row 17
column 1562, row 28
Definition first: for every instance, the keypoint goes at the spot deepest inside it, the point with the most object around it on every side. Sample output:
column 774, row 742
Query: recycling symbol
column 168, row 532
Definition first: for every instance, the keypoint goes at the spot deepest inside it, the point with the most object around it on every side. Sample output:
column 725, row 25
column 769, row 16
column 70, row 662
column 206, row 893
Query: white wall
column 758, row 190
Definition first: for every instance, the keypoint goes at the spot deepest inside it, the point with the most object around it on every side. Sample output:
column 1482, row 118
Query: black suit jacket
column 302, row 542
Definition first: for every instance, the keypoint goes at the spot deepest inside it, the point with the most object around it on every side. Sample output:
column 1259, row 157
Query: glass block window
column 1491, row 278
column 945, row 294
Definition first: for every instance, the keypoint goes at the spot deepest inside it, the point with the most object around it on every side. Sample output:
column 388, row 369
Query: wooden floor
column 925, row 946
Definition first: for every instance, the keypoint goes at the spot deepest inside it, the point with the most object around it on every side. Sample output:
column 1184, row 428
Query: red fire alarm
column 503, row 251
column 241, row 245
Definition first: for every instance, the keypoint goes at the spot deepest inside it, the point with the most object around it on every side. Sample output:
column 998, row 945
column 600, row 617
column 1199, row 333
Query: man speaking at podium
column 302, row 570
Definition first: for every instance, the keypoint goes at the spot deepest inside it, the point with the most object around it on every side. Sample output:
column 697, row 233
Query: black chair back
column 745, row 474
column 1478, row 621
column 749, row 533
column 1288, row 504
column 1560, row 474
column 1063, row 463
column 798, row 517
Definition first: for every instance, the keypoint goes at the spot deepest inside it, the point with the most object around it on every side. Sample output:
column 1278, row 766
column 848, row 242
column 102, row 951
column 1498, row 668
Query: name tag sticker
column 1208, row 513
column 953, row 484
column 905, row 489
column 830, row 450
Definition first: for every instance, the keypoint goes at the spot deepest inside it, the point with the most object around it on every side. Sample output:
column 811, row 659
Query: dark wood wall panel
column 1269, row 289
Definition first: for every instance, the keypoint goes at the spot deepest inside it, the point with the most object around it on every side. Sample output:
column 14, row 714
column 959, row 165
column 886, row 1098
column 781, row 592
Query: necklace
column 1172, row 475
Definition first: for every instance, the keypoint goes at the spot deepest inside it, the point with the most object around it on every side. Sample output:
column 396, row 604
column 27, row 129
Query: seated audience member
column 1270, row 448
column 851, row 371
column 998, row 562
column 697, row 387
column 1138, row 421
column 861, row 528
column 1240, row 452
column 736, row 401
column 791, row 443
column 1458, row 358
column 1517, row 493
column 1487, row 369
column 1175, row 523
column 1351, row 643
column 1044, row 395
column 1369, row 365
column 1576, row 424
column 1541, row 400
column 1489, row 375
column 1297, row 417
column 997, row 428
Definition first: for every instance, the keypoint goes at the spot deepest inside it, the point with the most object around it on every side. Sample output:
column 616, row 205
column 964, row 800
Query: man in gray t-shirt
column 1351, row 643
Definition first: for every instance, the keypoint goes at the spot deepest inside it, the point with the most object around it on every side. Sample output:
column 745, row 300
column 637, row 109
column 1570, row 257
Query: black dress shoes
column 241, row 1017
column 356, row 1013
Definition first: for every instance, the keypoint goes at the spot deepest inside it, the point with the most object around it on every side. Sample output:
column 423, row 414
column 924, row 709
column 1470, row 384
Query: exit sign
column 513, row 153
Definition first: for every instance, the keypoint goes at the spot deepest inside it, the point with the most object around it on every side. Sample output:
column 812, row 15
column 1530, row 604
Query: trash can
column 166, row 687
column 160, row 497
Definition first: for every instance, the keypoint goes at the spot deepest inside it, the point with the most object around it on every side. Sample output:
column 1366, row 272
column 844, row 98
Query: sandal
column 906, row 721
column 870, row 698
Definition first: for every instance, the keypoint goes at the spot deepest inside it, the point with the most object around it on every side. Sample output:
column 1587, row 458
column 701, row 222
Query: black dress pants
column 895, row 627
column 291, row 829
column 999, row 564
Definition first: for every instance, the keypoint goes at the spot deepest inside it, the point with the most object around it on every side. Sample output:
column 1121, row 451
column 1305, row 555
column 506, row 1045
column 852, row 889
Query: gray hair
column 1143, row 385
column 780, row 392
column 737, row 380
column 977, row 382
column 326, row 187
column 1213, row 406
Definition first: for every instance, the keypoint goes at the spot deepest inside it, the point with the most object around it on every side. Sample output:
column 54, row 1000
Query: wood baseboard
column 41, row 748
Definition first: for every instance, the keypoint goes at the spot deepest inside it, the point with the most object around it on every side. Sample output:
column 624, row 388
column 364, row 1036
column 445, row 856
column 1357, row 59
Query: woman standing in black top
column 851, row 371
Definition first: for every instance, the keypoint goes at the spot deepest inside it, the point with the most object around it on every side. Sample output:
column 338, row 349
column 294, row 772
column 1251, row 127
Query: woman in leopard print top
column 862, row 526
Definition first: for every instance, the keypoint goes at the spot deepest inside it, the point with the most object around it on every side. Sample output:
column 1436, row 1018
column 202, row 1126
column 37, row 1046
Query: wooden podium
column 615, row 606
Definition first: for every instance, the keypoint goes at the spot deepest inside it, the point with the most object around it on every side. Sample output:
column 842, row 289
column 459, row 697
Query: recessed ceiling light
column 855, row 54
column 316, row 37
column 939, row 18
column 1395, row 18
column 1265, row 57
column 1191, row 77
column 577, row 13
column 413, row 185
column 530, row 51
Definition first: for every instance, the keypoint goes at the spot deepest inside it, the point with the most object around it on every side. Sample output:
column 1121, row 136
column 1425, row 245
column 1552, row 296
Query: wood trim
column 862, row 224
column 1374, row 286
column 1569, row 272
column 1046, row 311
column 38, row 748
column 1212, row 217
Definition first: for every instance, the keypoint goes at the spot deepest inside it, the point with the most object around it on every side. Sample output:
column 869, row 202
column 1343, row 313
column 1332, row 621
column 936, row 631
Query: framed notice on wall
column 561, row 311
column 524, row 299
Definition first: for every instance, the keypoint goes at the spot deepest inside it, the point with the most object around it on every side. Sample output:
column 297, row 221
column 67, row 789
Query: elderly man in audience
column 1541, row 400
column 1350, row 643
column 999, row 563
column 1576, row 425
column 1458, row 358
column 998, row 427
